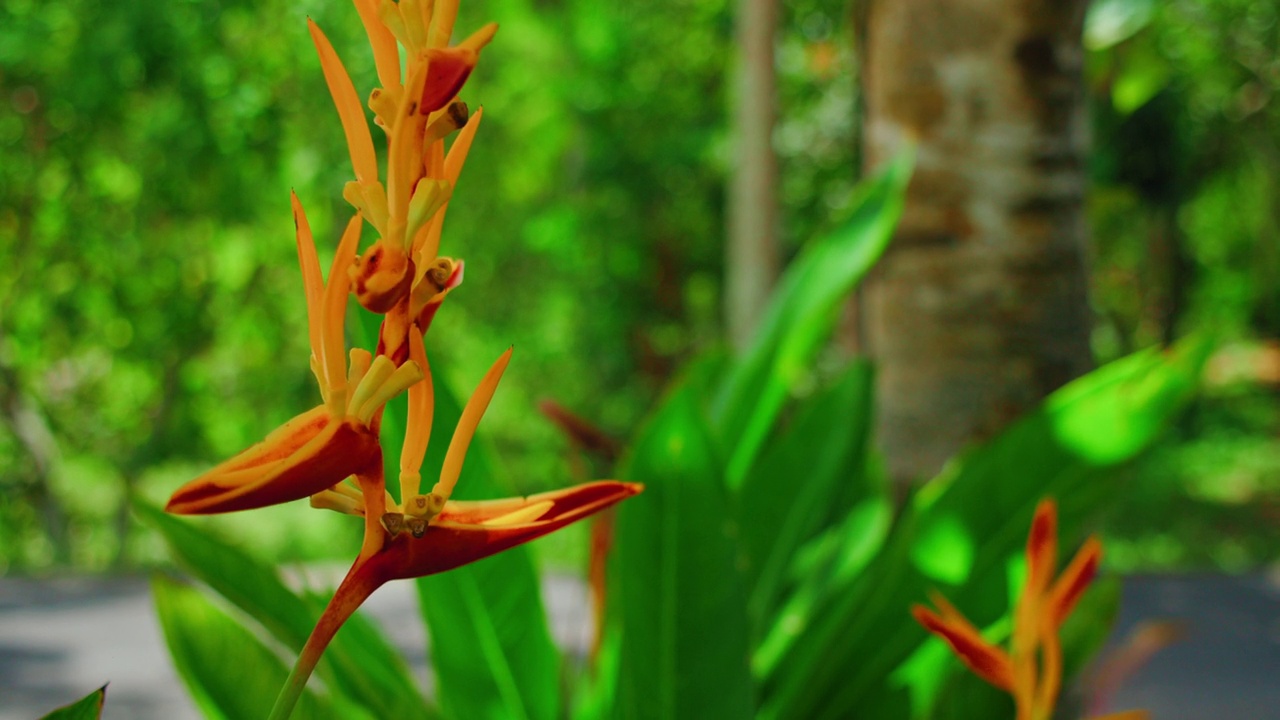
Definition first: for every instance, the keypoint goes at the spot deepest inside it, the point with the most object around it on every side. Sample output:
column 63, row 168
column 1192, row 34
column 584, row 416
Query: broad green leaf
column 359, row 663
column 87, row 708
column 1063, row 450
column 229, row 672
column 676, row 591
column 491, row 649
column 801, row 315
column 805, row 481
column 824, row 567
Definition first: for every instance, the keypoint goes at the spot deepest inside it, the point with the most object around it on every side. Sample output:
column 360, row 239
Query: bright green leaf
column 87, row 708
column 944, row 550
column 230, row 673
column 802, row 314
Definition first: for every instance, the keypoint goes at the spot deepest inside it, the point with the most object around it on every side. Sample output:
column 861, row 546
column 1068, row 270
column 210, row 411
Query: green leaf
column 825, row 567
column 1063, row 450
column 596, row 691
column 676, row 591
column 359, row 663
column 806, row 481
column 87, row 708
column 802, row 314
column 491, row 649
column 229, row 672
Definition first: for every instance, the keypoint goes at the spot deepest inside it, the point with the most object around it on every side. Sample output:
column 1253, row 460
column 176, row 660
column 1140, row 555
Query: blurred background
column 151, row 310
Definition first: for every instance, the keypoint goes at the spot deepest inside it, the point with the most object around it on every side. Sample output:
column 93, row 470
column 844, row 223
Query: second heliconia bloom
column 1030, row 669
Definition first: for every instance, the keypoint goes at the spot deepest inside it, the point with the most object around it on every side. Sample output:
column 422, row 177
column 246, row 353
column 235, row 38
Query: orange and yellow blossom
column 1031, row 668
column 417, row 111
column 401, row 276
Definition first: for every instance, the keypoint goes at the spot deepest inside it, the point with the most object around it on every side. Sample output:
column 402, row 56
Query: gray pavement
column 1227, row 667
column 60, row 639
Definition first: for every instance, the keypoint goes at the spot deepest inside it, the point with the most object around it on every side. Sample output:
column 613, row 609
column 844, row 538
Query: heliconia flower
column 332, row 453
column 1031, row 668
column 326, row 444
column 417, row 112
column 427, row 534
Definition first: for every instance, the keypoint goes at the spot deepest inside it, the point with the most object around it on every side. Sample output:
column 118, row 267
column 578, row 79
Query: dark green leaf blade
column 804, row 482
column 88, row 707
column 491, row 649
column 228, row 671
column 676, row 591
column 359, row 662
column 802, row 314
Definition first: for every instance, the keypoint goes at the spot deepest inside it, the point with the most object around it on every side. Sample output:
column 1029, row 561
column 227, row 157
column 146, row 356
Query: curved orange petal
column 986, row 660
column 355, row 126
column 308, row 454
column 444, row 548
column 464, row 532
column 1069, row 586
column 1042, row 547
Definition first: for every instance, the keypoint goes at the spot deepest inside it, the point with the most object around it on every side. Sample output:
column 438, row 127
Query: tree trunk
column 751, row 253
column 979, row 308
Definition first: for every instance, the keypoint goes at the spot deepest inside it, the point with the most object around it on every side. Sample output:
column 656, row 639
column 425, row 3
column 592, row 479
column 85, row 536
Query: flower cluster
column 1031, row 668
column 332, row 453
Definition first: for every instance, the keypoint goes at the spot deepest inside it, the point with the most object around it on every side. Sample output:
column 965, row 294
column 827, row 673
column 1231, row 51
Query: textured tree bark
column 751, row 248
column 979, row 308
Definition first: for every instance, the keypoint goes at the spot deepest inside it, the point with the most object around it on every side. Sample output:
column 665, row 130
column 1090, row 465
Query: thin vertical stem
column 356, row 587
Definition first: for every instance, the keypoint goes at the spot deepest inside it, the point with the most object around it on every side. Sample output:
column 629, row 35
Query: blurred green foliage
column 1186, row 227
column 782, row 586
column 151, row 316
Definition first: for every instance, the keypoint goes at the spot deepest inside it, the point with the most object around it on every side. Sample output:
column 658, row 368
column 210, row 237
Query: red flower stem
column 356, row 587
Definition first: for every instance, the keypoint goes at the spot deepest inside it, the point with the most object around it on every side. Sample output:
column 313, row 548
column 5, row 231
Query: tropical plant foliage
column 784, row 585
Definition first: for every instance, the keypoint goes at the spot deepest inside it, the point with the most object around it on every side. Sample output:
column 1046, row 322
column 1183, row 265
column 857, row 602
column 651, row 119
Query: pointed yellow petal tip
column 351, row 113
column 480, row 38
column 986, row 661
column 526, row 514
